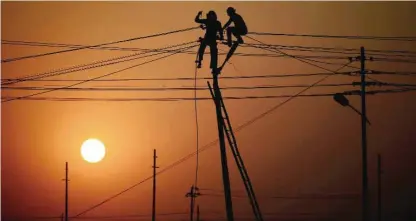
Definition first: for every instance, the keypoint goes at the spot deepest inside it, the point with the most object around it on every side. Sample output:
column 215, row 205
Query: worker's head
column 211, row 15
column 230, row 11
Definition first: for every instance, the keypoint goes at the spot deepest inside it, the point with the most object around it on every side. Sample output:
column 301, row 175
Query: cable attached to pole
column 197, row 137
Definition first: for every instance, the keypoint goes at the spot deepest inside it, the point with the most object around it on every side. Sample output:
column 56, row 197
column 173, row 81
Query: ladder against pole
column 234, row 149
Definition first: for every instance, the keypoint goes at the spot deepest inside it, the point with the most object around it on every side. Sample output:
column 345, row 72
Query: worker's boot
column 240, row 40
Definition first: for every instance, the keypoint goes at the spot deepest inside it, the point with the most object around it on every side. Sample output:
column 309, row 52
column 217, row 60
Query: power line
column 293, row 47
column 326, row 50
column 304, row 59
column 196, row 88
column 338, row 36
column 114, row 72
column 96, row 64
column 178, row 88
column 187, row 78
column 98, row 45
column 316, row 197
column 351, row 73
column 196, row 126
column 330, row 49
column 236, row 54
column 394, row 60
column 172, row 99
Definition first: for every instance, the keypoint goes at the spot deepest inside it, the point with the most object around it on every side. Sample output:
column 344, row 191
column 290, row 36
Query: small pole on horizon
column 154, row 186
column 197, row 213
column 66, row 191
column 379, row 172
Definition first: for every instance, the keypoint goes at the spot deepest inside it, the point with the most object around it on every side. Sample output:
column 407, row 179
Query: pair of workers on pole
column 213, row 27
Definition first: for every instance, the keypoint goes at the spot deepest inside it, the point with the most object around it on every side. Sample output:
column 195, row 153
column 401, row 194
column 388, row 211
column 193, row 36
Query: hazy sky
column 310, row 145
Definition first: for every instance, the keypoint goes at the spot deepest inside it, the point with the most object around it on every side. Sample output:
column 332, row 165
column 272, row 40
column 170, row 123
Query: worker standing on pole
column 213, row 26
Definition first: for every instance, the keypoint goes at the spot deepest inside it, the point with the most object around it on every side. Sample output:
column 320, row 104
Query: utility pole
column 225, row 175
column 154, row 186
column 197, row 213
column 379, row 171
column 66, row 191
column 365, row 205
column 192, row 194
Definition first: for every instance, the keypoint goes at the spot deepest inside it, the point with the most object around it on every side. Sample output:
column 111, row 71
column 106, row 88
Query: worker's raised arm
column 227, row 24
column 197, row 19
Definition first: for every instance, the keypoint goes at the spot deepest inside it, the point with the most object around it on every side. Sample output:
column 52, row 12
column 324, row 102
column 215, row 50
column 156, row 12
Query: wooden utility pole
column 197, row 213
column 379, row 171
column 66, row 191
column 365, row 202
column 225, row 175
column 154, row 186
column 193, row 193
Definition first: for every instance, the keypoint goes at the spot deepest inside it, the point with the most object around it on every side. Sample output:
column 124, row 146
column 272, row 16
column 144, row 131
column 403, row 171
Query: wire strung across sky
column 350, row 73
column 105, row 75
column 348, row 51
column 261, row 46
column 193, row 88
column 48, row 44
column 103, row 63
column 98, row 45
column 96, row 64
column 100, row 63
column 299, row 48
column 410, row 38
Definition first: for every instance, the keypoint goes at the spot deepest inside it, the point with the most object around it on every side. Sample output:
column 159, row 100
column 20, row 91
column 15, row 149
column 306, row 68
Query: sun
column 93, row 150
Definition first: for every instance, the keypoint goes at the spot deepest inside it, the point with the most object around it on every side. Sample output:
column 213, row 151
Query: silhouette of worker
column 213, row 26
column 239, row 28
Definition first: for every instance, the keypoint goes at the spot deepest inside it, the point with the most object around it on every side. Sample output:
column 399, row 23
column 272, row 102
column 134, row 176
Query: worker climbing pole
column 212, row 26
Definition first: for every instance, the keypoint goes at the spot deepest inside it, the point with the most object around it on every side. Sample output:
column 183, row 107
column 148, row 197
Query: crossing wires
column 98, row 45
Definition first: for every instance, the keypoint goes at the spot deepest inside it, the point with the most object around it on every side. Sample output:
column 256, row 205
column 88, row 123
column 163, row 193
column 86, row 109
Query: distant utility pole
column 379, row 171
column 365, row 202
column 66, row 191
column 192, row 194
column 154, row 186
column 197, row 213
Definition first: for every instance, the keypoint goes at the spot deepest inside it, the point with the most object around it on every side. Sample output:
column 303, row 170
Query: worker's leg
column 201, row 52
column 229, row 31
column 238, row 33
column 214, row 55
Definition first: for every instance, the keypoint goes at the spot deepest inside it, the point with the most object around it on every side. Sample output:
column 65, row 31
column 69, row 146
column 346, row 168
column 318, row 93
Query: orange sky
column 310, row 145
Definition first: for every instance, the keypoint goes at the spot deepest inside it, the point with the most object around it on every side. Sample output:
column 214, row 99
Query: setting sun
column 93, row 150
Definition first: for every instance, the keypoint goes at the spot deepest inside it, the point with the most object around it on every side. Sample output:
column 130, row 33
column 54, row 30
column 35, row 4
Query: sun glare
column 93, row 150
